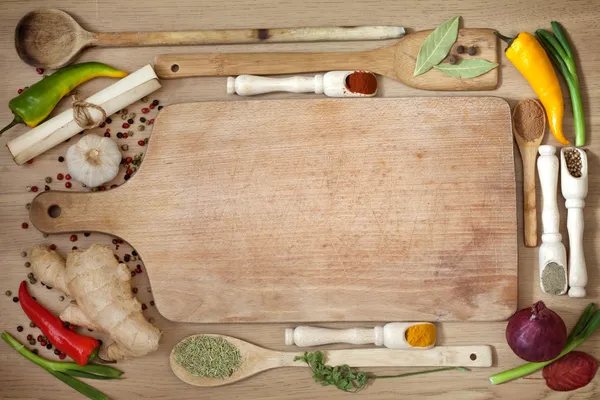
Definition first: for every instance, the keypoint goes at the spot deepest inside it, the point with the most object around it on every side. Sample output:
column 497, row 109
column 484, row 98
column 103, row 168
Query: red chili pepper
column 81, row 349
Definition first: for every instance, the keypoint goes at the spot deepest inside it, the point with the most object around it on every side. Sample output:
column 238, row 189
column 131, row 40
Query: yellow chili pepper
column 530, row 58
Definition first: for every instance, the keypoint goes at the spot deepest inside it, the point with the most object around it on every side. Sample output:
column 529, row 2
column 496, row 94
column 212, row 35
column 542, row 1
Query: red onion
column 536, row 333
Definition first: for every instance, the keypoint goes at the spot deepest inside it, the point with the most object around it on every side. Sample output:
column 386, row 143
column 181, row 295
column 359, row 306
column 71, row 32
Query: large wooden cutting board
column 318, row 210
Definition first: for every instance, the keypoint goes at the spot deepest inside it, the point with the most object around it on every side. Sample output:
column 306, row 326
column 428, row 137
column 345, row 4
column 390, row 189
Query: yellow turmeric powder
column 421, row 335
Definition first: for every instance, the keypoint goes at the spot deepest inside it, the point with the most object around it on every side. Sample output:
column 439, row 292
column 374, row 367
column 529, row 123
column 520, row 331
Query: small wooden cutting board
column 318, row 210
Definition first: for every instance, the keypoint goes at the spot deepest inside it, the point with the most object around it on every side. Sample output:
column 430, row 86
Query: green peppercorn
column 8, row 293
column 23, row 254
column 144, row 99
column 125, row 147
column 28, row 206
column 27, row 264
column 32, row 342
column 141, row 127
column 45, row 235
column 30, row 275
column 124, row 117
column 132, row 115
column 62, row 298
column 48, row 179
column 31, row 325
column 142, row 119
column 130, row 133
column 146, row 140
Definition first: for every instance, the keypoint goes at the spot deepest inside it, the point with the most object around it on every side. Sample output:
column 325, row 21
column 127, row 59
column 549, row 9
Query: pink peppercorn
column 151, row 106
column 34, row 189
column 62, row 356
column 68, row 185
column 125, row 135
column 145, row 110
column 102, row 125
column 128, row 160
column 20, row 91
column 24, row 225
column 151, row 122
column 52, row 246
column 129, row 171
column 68, row 177
column 141, row 142
column 39, row 71
column 73, row 238
column 125, row 125
column 132, row 274
column 30, row 161
column 102, row 188
column 60, row 177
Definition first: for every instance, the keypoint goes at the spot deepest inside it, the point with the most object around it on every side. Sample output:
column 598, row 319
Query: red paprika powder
column 361, row 82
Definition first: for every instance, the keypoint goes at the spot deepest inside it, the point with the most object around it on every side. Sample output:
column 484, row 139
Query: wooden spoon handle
column 529, row 200
column 451, row 356
column 128, row 39
column 168, row 66
column 62, row 212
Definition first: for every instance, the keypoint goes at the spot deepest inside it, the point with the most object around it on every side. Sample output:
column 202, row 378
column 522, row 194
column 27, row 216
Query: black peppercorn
column 460, row 49
column 49, row 346
column 46, row 187
column 127, row 257
column 154, row 103
column 61, row 159
column 120, row 135
column 108, row 120
column 74, row 248
column 15, row 299
column 142, row 119
column 130, row 121
column 19, row 328
column 126, row 177
column 35, row 351
column 472, row 51
column 86, row 234
column 160, row 108
column 134, row 253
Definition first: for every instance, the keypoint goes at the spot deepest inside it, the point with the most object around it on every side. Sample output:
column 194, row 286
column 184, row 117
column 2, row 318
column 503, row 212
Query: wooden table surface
column 150, row 377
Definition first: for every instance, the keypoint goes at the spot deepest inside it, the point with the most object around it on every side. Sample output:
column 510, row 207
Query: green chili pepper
column 35, row 103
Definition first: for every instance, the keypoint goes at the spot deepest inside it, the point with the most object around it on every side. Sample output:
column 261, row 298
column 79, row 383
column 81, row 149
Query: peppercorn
column 151, row 320
column 32, row 342
column 60, row 177
column 152, row 303
column 452, row 59
column 132, row 274
column 146, row 140
column 35, row 351
column 19, row 328
column 20, row 91
column 68, row 185
column 86, row 234
column 124, row 117
column 151, row 107
column 8, row 293
column 124, row 111
column 144, row 306
column 56, row 352
column 27, row 264
column 125, row 125
column 52, row 246
column 472, row 51
column 134, row 253
column 160, row 108
column 145, row 110
column 130, row 121
column 134, row 290
column 28, row 206
column 62, row 356
column 108, row 120
column 40, row 71
column 126, row 177
column 115, row 241
column 129, row 171
column 24, row 225
column 34, row 189
column 141, row 142
column 73, row 238
column 120, row 135
column 49, row 346
column 138, row 269
column 142, row 119
column 130, row 133
column 30, row 275
column 460, row 49
column 74, row 248
column 31, row 325
column 46, row 188
column 106, row 134
column 131, row 115
column 149, row 289
column 15, row 299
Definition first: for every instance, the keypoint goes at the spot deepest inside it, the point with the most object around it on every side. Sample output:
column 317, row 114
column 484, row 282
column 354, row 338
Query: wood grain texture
column 292, row 210
column 255, row 359
column 151, row 377
column 396, row 61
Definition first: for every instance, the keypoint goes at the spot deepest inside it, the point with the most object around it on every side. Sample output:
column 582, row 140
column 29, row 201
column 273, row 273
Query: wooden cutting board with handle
column 396, row 61
column 318, row 210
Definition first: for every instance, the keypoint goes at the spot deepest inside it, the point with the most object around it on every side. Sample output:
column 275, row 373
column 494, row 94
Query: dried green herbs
column 208, row 356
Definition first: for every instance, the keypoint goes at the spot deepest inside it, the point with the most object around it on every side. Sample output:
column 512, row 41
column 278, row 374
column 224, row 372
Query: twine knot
column 82, row 115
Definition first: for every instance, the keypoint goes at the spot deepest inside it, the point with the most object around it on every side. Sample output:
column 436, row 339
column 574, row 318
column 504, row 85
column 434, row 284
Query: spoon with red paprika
column 82, row 349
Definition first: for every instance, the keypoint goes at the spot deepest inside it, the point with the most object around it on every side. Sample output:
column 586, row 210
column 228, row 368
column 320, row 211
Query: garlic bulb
column 93, row 160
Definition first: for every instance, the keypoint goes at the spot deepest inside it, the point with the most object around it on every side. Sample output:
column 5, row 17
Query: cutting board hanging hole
column 174, row 67
column 54, row 211
column 473, row 356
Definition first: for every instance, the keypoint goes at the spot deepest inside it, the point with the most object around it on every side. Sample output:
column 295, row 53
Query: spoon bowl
column 50, row 38
column 255, row 359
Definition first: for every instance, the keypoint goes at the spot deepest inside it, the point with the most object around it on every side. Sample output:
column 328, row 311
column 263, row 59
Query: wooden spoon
column 396, row 61
column 51, row 38
column 256, row 359
column 529, row 127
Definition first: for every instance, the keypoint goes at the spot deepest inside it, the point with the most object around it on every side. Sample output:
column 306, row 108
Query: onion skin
column 536, row 333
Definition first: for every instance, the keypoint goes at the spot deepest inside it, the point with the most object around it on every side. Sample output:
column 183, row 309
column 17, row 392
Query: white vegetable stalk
column 58, row 129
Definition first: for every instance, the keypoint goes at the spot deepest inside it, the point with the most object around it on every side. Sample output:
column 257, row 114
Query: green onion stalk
column 66, row 371
column 561, row 53
column 587, row 324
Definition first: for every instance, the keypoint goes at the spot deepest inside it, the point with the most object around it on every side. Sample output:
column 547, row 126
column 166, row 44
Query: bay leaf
column 436, row 46
column 466, row 68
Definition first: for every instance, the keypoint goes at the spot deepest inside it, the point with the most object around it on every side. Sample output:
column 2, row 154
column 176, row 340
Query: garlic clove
column 93, row 160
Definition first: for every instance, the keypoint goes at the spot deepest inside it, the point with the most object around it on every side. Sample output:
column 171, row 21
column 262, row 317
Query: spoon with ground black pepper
column 195, row 360
column 51, row 38
column 529, row 127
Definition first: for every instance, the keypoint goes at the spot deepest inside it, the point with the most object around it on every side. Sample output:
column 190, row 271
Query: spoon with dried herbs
column 529, row 127
column 215, row 360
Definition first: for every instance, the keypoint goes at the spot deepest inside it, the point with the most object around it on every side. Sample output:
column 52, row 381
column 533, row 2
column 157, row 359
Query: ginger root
column 101, row 289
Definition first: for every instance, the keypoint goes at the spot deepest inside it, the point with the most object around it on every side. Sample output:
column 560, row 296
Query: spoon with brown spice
column 529, row 127
column 251, row 359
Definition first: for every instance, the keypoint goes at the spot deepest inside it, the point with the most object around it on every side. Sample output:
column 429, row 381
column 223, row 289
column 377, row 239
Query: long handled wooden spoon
column 396, row 61
column 529, row 126
column 51, row 38
column 256, row 359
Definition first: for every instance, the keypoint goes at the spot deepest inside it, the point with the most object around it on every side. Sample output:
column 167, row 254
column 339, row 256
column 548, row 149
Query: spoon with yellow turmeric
column 394, row 335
